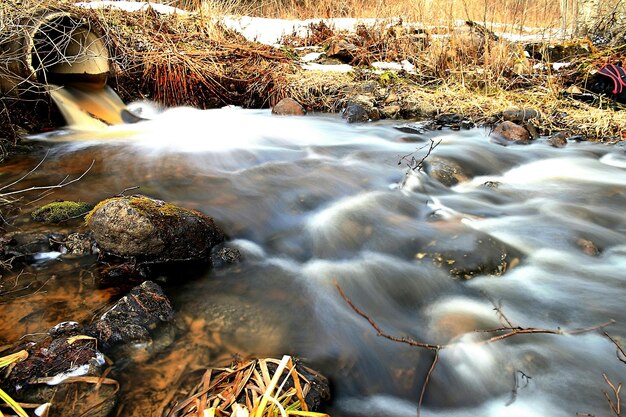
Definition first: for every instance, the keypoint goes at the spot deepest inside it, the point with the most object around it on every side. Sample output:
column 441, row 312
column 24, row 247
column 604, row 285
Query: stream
column 312, row 202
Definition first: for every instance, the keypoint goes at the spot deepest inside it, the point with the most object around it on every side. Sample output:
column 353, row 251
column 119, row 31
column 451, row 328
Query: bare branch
column 510, row 331
column 426, row 381
column 51, row 187
column 413, row 163
column 25, row 175
column 406, row 340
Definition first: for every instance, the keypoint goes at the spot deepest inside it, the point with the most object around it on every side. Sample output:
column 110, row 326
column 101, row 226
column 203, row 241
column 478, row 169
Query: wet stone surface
column 153, row 230
column 133, row 317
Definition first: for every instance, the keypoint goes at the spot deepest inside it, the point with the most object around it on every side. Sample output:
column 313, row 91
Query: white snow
column 130, row 6
column 311, row 56
column 332, row 68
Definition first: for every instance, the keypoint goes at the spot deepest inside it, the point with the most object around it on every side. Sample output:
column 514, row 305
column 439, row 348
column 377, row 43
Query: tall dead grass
column 514, row 13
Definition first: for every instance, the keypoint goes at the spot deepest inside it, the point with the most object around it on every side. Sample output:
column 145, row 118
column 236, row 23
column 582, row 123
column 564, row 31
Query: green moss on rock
column 60, row 211
column 147, row 228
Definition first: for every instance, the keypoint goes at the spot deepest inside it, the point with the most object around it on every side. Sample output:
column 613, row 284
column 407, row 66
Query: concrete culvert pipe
column 54, row 48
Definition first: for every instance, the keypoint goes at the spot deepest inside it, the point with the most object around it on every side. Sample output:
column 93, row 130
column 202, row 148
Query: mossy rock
column 153, row 230
column 60, row 211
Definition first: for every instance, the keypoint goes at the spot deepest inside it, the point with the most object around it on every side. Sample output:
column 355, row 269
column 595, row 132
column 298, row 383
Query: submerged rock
column 133, row 317
column 288, row 107
column 153, row 230
column 469, row 253
column 27, row 246
column 445, row 171
column 60, row 211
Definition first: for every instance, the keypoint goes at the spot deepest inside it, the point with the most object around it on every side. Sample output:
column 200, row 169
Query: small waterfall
column 87, row 108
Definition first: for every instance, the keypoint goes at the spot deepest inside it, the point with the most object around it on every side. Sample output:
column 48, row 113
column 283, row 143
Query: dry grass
column 190, row 60
column 194, row 60
column 516, row 13
column 259, row 387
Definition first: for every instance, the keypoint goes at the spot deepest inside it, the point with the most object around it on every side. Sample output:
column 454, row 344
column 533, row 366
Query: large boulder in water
column 153, row 230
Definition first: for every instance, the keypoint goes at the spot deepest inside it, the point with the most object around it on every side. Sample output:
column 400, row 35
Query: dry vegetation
column 194, row 60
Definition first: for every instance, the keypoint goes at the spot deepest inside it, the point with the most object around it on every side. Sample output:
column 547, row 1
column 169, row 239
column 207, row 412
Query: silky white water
column 313, row 201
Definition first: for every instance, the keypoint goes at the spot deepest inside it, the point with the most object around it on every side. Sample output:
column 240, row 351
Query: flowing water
column 313, row 201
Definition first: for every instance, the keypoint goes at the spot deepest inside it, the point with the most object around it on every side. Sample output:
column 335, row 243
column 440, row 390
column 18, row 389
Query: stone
column 448, row 119
column 225, row 256
column 516, row 115
column 360, row 108
column 469, row 253
column 532, row 129
column 288, row 107
column 154, row 230
column 79, row 244
column 133, row 317
column 512, row 132
column 343, row 50
column 391, row 98
column 391, row 112
column 558, row 140
column 445, row 171
column 355, row 113
column 64, row 351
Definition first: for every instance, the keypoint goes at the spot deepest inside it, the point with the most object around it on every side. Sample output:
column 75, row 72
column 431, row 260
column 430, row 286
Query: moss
column 146, row 206
column 97, row 207
column 387, row 78
column 60, row 211
column 154, row 209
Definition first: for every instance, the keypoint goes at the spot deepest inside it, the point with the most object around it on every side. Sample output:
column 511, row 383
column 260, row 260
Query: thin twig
column 511, row 331
column 51, row 187
column 426, row 381
column 620, row 349
column 25, row 175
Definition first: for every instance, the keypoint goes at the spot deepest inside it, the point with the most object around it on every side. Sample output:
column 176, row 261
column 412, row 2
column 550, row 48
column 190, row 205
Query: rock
column 65, row 351
column 588, row 247
column 26, row 246
column 558, row 140
column 79, row 244
column 391, row 111
column 448, row 119
column 133, row 317
column 416, row 127
column 445, row 171
column 288, row 107
column 511, row 132
column 153, row 230
column 343, row 50
column 391, row 98
column 360, row 109
column 491, row 184
column 355, row 113
column 468, row 253
column 519, row 115
column 578, row 138
column 226, row 256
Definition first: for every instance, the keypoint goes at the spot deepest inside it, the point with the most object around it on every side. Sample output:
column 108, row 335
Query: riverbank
column 401, row 70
